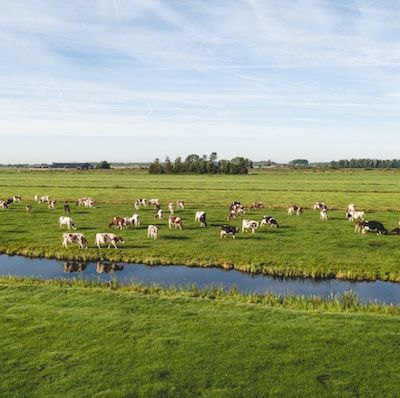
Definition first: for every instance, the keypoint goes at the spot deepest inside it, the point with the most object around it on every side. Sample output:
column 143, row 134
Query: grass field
column 76, row 340
column 303, row 246
column 61, row 339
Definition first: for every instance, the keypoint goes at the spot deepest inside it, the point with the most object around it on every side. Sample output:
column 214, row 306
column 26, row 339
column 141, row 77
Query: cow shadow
column 176, row 237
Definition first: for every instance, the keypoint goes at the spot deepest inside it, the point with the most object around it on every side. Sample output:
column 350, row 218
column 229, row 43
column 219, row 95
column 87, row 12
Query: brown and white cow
column 76, row 238
column 175, row 221
column 295, row 209
column 108, row 239
column 117, row 222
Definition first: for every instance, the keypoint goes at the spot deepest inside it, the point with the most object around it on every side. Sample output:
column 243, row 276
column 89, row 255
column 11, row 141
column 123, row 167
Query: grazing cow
column 171, row 208
column 28, row 208
column 63, row 220
column 9, row 201
column 140, row 202
column 86, row 202
column 108, row 268
column 44, row 199
column 320, row 206
column 180, row 204
column 17, row 198
column 351, row 207
column 134, row 220
column 108, row 239
column 373, row 226
column 250, row 225
column 153, row 202
column 200, row 217
column 323, row 215
column 268, row 220
column 117, row 222
column 152, row 232
column 256, row 206
column 203, row 221
column 295, row 209
column 355, row 215
column 67, row 209
column 175, row 221
column 76, row 238
column 51, row 204
column 159, row 214
column 234, row 204
column 74, row 267
column 89, row 203
column 228, row 230
column 235, row 210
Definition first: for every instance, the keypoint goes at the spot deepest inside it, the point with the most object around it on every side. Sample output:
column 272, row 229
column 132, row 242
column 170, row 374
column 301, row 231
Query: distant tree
column 156, row 167
column 103, row 165
column 299, row 162
column 169, row 168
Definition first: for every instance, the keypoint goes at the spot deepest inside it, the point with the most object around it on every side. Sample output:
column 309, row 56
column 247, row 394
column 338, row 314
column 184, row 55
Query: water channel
column 182, row 276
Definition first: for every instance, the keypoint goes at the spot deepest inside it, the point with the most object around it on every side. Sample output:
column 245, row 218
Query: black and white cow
column 373, row 226
column 228, row 230
column 268, row 220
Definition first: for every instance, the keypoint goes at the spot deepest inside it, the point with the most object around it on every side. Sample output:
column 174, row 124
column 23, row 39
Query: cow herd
column 236, row 209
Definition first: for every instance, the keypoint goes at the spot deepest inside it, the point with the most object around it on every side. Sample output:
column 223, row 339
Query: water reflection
column 74, row 267
column 108, row 268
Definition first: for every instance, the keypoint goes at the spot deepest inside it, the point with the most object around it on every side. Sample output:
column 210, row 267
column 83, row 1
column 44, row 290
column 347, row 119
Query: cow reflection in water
column 74, row 267
column 108, row 268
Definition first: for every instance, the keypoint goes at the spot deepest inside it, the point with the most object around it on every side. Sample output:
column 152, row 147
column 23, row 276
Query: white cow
column 134, row 220
column 77, row 238
column 108, row 239
column 153, row 202
column 159, row 214
column 180, row 204
column 152, row 232
column 51, row 204
column 351, row 207
column 63, row 220
column 355, row 216
column 323, row 215
column 250, row 225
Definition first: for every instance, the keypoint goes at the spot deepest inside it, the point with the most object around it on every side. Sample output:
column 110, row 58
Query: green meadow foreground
column 78, row 340
column 302, row 246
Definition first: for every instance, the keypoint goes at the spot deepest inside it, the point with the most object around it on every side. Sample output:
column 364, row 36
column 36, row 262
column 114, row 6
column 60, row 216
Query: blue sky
column 131, row 80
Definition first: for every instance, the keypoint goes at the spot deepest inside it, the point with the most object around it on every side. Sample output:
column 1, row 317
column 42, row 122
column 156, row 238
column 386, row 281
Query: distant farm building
column 76, row 166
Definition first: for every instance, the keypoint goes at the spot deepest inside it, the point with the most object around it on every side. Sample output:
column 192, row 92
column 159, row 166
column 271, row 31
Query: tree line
column 365, row 164
column 195, row 164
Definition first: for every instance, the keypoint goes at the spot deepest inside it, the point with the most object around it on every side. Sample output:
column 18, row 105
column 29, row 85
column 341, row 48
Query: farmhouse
column 76, row 166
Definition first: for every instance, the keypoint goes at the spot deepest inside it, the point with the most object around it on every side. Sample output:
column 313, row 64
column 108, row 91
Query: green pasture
column 302, row 246
column 87, row 341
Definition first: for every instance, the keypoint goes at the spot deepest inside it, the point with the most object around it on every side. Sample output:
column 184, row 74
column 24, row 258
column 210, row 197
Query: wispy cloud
column 150, row 69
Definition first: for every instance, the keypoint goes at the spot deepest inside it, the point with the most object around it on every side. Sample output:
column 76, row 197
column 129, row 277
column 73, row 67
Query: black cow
column 67, row 209
column 228, row 230
column 396, row 230
column 373, row 226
